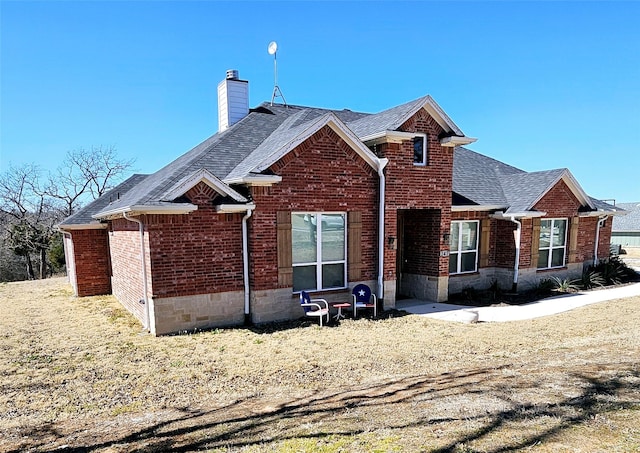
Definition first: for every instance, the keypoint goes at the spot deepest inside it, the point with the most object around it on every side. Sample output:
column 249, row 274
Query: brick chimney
column 233, row 100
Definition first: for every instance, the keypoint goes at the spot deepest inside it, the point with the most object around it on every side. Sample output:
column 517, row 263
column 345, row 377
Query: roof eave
column 178, row 208
column 331, row 120
column 255, row 180
column 82, row 226
column 387, row 137
column 602, row 212
column 453, row 141
column 475, row 208
column 235, row 208
column 518, row 215
column 205, row 176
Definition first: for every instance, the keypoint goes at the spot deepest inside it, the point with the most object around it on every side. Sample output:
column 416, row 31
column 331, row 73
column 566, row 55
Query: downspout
column 66, row 257
column 516, row 266
column 145, row 284
column 245, row 267
column 600, row 224
column 382, row 163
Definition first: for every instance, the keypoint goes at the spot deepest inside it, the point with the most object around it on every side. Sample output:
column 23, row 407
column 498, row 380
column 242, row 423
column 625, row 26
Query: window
column 318, row 243
column 420, row 150
column 463, row 243
column 553, row 240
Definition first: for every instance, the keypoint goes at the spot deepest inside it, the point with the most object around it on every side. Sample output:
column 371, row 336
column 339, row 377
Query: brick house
column 289, row 198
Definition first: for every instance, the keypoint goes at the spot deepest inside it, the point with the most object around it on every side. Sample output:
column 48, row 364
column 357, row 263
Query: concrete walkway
column 544, row 307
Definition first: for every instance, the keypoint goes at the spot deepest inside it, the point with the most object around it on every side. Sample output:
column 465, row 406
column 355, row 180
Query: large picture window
column 553, row 243
column 318, row 251
column 463, row 244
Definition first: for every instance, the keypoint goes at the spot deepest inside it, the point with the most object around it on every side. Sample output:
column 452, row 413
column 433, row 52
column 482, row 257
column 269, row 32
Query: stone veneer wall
column 202, row 311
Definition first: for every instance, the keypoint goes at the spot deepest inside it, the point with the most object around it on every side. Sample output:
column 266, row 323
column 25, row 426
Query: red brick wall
column 91, row 257
column 559, row 202
column 198, row 253
column 126, row 263
column 421, row 231
column 587, row 238
column 321, row 174
column 410, row 186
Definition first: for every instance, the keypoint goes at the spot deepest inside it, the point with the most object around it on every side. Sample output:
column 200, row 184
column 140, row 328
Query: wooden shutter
column 485, row 231
column 354, row 246
column 285, row 267
column 535, row 242
column 573, row 239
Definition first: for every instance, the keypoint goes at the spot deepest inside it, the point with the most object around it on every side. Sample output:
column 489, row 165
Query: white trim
column 460, row 252
column 205, row 176
column 233, row 208
column 387, row 137
column 601, row 212
column 475, row 208
column 178, row 208
column 319, row 262
column 83, row 226
column 436, row 112
column 518, row 215
column 425, row 150
column 337, row 126
column 255, row 180
column 454, row 141
column 551, row 247
column 575, row 188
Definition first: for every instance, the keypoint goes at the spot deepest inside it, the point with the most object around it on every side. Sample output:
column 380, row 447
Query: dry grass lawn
column 77, row 375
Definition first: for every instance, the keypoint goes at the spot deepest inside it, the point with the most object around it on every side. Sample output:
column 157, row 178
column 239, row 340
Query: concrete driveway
column 544, row 307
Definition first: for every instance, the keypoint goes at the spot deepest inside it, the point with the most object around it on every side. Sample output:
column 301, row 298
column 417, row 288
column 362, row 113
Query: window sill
column 551, row 269
column 323, row 291
column 462, row 274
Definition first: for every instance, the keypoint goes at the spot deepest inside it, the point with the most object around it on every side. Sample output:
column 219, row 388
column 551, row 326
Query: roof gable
column 393, row 118
column 293, row 132
column 205, row 176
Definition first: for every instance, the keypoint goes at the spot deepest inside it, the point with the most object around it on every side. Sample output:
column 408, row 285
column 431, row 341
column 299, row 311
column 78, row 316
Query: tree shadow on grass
column 328, row 415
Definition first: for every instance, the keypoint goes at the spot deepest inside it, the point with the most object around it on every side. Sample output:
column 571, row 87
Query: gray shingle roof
column 83, row 215
column 477, row 177
column 486, row 181
column 236, row 152
column 630, row 221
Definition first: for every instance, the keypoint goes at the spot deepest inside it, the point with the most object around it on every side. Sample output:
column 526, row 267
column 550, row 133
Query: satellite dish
column 273, row 46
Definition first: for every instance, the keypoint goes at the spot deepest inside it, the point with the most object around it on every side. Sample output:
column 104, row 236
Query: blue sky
column 542, row 85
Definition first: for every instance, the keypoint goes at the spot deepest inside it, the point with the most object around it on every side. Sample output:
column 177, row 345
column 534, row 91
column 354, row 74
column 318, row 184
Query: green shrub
column 591, row 279
column 565, row 285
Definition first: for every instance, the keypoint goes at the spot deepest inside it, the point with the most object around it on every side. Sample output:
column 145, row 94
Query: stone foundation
column 203, row 311
column 424, row 287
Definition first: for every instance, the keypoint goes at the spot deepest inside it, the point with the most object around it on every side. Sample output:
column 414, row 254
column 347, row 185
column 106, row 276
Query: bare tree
column 85, row 175
column 32, row 202
column 27, row 212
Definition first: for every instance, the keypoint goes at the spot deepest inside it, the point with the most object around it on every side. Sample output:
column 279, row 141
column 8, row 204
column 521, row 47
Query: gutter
column 517, row 233
column 245, row 265
column 382, row 163
column 516, row 265
column 600, row 224
column 145, row 284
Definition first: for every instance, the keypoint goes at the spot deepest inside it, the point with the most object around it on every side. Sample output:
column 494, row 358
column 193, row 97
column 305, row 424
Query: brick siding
column 322, row 174
column 196, row 253
column 91, row 262
column 410, row 187
column 126, row 261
